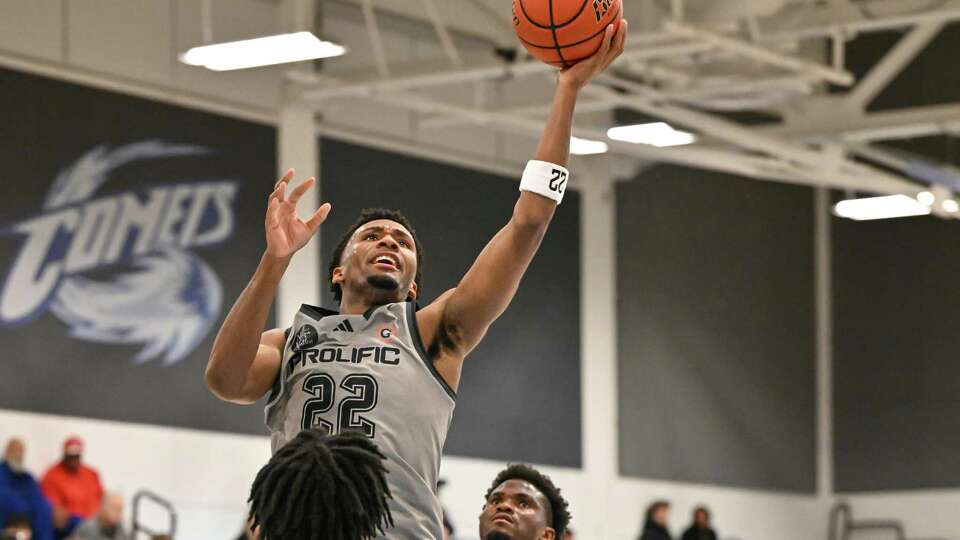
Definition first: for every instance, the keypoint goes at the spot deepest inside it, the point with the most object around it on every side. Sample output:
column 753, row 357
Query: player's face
column 515, row 510
column 381, row 258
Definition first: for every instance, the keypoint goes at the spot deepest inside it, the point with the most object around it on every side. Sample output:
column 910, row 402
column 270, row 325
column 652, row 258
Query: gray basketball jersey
column 370, row 373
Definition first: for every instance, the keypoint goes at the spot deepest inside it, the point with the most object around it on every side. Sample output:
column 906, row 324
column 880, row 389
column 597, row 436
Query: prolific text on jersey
column 387, row 356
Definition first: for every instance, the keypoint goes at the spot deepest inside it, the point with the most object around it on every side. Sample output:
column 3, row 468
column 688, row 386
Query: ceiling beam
column 894, row 62
column 830, row 119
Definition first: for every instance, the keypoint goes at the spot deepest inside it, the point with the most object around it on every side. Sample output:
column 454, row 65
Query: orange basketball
column 563, row 32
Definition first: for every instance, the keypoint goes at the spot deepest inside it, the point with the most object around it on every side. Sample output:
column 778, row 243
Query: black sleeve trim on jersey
column 316, row 312
column 422, row 351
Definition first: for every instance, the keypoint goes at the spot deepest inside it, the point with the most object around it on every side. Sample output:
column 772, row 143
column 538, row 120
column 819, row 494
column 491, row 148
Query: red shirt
column 78, row 492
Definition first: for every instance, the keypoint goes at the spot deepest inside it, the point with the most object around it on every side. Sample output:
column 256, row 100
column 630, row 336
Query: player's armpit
column 262, row 372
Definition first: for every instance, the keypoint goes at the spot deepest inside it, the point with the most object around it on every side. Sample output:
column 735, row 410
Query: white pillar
column 598, row 348
column 298, row 148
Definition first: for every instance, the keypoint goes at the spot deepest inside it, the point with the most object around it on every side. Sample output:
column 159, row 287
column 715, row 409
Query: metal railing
column 842, row 526
column 159, row 501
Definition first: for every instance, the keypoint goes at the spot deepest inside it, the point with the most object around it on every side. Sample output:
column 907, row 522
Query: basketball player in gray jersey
column 378, row 366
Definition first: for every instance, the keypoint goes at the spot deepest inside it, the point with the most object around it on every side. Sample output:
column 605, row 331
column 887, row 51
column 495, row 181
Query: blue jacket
column 20, row 494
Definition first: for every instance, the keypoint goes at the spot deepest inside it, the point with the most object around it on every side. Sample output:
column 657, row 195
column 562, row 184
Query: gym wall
column 896, row 377
column 716, row 330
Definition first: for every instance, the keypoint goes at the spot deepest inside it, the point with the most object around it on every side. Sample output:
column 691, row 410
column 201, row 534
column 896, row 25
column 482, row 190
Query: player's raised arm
column 245, row 360
column 489, row 286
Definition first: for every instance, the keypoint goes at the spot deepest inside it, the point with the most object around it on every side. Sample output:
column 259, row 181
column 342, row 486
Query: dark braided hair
column 322, row 486
column 366, row 216
column 558, row 516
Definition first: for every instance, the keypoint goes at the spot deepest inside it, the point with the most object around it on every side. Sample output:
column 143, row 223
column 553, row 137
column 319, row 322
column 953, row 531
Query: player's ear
column 412, row 293
column 336, row 277
column 549, row 534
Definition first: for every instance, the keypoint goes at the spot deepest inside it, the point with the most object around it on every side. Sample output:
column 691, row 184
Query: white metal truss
column 686, row 70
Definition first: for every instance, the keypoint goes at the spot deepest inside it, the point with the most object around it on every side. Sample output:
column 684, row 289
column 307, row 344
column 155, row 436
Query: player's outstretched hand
column 613, row 43
column 286, row 232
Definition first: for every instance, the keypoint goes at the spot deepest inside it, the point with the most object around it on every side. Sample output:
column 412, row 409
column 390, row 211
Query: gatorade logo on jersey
column 94, row 260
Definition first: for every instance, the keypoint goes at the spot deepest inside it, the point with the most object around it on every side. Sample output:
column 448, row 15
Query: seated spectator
column 700, row 528
column 107, row 524
column 17, row 527
column 657, row 520
column 20, row 493
column 72, row 488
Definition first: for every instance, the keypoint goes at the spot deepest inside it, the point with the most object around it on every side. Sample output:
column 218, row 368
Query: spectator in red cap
column 73, row 489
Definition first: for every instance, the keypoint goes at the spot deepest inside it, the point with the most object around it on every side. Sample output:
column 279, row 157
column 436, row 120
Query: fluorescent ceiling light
column 926, row 198
column 951, row 206
column 263, row 51
column 587, row 147
column 659, row 134
column 892, row 206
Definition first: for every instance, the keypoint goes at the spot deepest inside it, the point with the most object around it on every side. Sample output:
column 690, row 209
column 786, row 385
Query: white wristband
column 545, row 179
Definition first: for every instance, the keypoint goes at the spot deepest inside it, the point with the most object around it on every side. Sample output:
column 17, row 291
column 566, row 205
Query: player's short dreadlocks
column 558, row 517
column 321, row 486
column 366, row 216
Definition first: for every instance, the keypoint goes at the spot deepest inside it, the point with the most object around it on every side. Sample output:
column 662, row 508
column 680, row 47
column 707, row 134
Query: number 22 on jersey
column 361, row 396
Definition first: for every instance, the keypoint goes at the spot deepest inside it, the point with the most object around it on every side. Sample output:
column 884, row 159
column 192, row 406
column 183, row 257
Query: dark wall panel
column 896, row 374
column 716, row 330
column 127, row 229
column 520, row 394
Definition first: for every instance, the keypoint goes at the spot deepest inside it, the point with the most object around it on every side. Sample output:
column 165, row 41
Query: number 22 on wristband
column 559, row 181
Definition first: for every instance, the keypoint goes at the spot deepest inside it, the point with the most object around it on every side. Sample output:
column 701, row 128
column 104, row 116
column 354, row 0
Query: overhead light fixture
column 263, row 51
column 659, row 134
column 892, row 206
column 926, row 198
column 951, row 206
column 587, row 147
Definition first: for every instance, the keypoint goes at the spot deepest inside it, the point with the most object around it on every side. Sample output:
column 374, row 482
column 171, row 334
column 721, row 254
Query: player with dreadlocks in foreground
column 378, row 367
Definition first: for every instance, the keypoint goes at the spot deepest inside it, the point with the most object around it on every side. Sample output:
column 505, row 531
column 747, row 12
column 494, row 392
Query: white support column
column 598, row 346
column 298, row 148
column 824, row 349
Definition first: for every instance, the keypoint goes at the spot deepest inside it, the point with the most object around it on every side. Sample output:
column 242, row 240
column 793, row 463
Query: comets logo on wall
column 117, row 268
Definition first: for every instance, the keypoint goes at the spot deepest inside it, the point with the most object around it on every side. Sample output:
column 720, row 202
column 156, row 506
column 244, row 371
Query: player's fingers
column 271, row 220
column 607, row 40
column 287, row 176
column 273, row 194
column 617, row 47
column 301, row 189
column 622, row 37
column 281, row 192
column 319, row 216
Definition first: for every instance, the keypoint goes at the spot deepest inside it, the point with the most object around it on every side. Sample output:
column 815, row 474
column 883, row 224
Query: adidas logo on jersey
column 601, row 7
column 345, row 326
